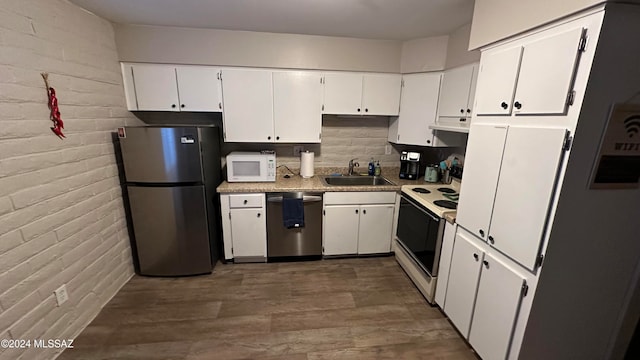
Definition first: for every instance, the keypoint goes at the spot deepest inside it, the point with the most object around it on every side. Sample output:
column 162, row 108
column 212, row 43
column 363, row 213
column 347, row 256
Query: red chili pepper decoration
column 58, row 124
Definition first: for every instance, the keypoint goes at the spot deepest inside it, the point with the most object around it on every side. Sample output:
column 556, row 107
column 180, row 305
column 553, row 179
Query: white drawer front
column 246, row 201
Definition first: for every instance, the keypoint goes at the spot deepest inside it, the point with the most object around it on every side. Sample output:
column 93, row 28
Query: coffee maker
column 409, row 165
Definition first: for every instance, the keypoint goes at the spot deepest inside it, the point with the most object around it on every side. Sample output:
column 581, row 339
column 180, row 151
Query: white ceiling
column 373, row 19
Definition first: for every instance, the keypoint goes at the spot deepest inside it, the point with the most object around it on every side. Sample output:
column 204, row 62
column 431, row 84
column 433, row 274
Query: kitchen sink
column 357, row 180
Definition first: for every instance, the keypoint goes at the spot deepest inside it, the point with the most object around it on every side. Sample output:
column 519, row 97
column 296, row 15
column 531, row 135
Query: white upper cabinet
column 348, row 93
column 457, row 92
column 418, row 106
column 199, row 88
column 381, row 94
column 297, row 106
column 248, row 105
column 526, row 80
column 153, row 87
column 509, row 180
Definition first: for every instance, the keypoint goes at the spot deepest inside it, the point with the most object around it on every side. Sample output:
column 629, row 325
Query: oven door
column 420, row 233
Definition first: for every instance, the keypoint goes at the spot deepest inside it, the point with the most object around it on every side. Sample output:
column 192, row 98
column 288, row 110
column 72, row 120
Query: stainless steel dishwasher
column 296, row 242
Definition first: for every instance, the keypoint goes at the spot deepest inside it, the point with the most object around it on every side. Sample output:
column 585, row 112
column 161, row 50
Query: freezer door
column 170, row 228
column 161, row 154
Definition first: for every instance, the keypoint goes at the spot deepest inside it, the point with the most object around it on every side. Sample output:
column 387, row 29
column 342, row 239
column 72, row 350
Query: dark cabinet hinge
column 571, row 97
column 324, row 212
column 582, row 45
column 229, row 215
column 566, row 144
column 525, row 289
column 539, row 260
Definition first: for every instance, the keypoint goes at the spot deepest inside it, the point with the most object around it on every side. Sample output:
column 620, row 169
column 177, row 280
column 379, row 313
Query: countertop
column 450, row 216
column 313, row 184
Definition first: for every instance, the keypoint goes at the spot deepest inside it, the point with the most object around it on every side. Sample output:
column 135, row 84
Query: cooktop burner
column 446, row 204
column 446, row 190
column 421, row 190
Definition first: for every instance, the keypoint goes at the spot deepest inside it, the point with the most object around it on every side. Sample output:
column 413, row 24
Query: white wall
column 163, row 44
column 458, row 53
column 494, row 20
column 61, row 213
column 425, row 54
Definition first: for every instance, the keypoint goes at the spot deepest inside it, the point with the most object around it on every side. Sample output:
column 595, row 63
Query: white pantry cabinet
column 483, row 297
column 509, row 179
column 347, row 93
column 156, row 87
column 457, row 93
column 244, row 227
column 357, row 223
column 297, row 106
column 525, row 80
column 418, row 108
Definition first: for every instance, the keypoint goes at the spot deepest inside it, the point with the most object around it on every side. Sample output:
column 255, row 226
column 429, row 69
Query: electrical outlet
column 61, row 294
column 387, row 149
column 297, row 150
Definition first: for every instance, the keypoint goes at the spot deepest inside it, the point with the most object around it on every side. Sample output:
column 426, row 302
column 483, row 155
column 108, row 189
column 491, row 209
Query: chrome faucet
column 351, row 165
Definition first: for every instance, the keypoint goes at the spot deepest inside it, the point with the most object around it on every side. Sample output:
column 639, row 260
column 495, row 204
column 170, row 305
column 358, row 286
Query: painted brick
column 20, row 327
column 24, row 251
column 27, row 286
column 9, row 241
column 5, row 206
column 15, row 183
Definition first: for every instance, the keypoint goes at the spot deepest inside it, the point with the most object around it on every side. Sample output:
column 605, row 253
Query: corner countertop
column 296, row 183
column 450, row 216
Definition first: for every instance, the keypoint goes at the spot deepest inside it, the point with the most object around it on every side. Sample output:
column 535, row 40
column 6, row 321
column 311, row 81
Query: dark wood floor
column 364, row 308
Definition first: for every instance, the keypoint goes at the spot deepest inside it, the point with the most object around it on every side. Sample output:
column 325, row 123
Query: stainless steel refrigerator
column 171, row 175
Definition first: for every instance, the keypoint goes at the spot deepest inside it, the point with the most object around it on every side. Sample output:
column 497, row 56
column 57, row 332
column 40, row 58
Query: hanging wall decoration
column 58, row 125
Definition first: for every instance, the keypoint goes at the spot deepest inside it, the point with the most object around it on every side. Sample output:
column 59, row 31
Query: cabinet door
column 129, row 86
column 199, row 88
column 376, row 223
column 249, row 232
column 454, row 93
column 445, row 263
column 381, row 94
column 343, row 93
column 418, row 105
column 297, row 106
column 497, row 80
column 156, row 88
column 497, row 304
column 463, row 282
column 545, row 81
column 248, row 105
column 340, row 229
column 527, row 179
column 481, row 170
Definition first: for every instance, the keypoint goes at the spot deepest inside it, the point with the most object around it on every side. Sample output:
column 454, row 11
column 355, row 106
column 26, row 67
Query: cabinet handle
column 277, row 137
column 182, row 105
column 491, row 240
column 268, row 137
column 245, row 202
column 475, row 256
column 173, row 106
column 517, row 105
column 356, row 211
column 481, row 232
column 461, row 111
column 504, row 105
column 486, row 263
column 219, row 105
column 258, row 215
column 428, row 141
column 366, row 110
column 468, row 111
column 358, row 109
column 364, row 212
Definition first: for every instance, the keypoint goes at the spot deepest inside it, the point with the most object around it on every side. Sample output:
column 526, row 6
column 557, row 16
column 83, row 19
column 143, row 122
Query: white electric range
column 421, row 229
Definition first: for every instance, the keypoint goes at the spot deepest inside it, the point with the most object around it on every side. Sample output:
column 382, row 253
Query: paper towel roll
column 306, row 164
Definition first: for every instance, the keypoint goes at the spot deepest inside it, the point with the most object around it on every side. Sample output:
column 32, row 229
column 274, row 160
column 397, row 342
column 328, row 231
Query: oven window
column 246, row 168
column 418, row 231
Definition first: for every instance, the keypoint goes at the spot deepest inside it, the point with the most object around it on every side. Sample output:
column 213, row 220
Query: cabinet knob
column 182, row 105
column 517, row 105
column 356, row 211
column 364, row 212
column 486, row 263
column 268, row 137
column 366, row 110
column 475, row 256
column 491, row 240
column 173, row 106
column 358, row 109
column 504, row 105
column 219, row 105
column 258, row 215
column 428, row 141
column 245, row 202
column 461, row 111
column 277, row 137
column 481, row 232
column 468, row 111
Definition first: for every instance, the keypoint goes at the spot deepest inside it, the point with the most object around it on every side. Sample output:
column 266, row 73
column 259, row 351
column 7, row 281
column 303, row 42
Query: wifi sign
column 632, row 125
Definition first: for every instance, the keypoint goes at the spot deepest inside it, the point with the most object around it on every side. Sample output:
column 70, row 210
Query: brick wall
column 61, row 214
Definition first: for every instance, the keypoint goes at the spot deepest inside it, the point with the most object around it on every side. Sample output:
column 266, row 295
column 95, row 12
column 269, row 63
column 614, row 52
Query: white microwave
column 251, row 166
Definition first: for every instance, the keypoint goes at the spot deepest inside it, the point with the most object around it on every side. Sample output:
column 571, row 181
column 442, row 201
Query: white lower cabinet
column 244, row 227
column 483, row 297
column 357, row 223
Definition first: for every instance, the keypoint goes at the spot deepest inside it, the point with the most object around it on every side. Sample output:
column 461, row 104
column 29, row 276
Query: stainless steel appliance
column 409, row 165
column 171, row 174
column 420, row 232
column 295, row 242
column 251, row 166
